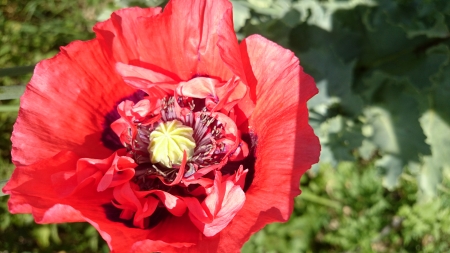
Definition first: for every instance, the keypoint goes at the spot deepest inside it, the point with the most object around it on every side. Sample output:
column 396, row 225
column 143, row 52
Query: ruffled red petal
column 33, row 191
column 118, row 35
column 229, row 47
column 34, row 186
column 183, row 39
column 65, row 105
column 286, row 145
column 225, row 200
column 152, row 82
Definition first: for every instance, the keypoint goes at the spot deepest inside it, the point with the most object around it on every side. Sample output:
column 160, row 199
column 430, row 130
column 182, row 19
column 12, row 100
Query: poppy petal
column 232, row 202
column 173, row 204
column 145, row 79
column 187, row 46
column 118, row 36
column 32, row 190
column 286, row 144
column 287, row 125
column 229, row 47
column 65, row 104
column 33, row 185
column 137, row 72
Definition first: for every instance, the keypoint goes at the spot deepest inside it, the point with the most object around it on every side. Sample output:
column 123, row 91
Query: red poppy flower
column 164, row 132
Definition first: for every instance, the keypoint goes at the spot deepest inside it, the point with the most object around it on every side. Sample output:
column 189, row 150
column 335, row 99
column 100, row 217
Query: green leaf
column 322, row 98
column 373, row 88
column 429, row 178
column 395, row 126
column 384, row 42
column 392, row 167
column 11, row 92
column 438, row 136
column 438, row 30
column 339, row 138
column 325, row 65
column 326, row 156
column 273, row 29
column 273, row 8
column 344, row 40
column 418, row 17
column 240, row 14
column 2, row 184
column 344, row 143
column 319, row 13
column 16, row 71
column 9, row 108
column 439, row 98
column 436, row 125
column 418, row 68
column 367, row 149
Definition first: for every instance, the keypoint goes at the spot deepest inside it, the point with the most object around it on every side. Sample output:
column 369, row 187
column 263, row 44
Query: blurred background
column 382, row 115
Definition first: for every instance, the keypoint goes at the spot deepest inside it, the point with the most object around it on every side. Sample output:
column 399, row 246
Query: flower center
column 182, row 150
column 168, row 141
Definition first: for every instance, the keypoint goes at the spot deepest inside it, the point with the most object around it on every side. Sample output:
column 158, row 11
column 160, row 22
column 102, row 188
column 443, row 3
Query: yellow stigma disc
column 168, row 141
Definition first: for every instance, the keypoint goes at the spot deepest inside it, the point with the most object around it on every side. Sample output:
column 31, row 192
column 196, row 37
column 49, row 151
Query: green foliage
column 382, row 116
column 31, row 31
column 427, row 225
column 382, row 70
column 340, row 210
